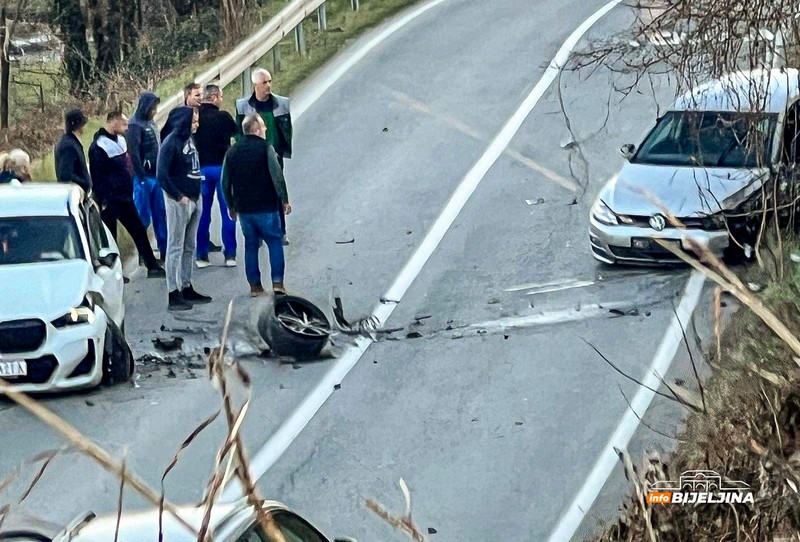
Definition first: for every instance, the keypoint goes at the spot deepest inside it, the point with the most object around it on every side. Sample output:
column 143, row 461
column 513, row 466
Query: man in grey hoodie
column 179, row 176
column 143, row 144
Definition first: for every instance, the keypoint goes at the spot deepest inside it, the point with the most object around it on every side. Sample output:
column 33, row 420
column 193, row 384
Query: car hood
column 641, row 189
column 44, row 290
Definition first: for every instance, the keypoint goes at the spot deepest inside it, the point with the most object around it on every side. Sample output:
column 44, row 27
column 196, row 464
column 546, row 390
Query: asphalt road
column 495, row 430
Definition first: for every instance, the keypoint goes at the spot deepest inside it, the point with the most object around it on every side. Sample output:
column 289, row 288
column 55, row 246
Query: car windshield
column 709, row 139
column 38, row 239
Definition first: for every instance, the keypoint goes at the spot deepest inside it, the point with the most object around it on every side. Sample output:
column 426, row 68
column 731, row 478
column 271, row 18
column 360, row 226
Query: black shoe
column 156, row 272
column 213, row 247
column 193, row 297
column 177, row 302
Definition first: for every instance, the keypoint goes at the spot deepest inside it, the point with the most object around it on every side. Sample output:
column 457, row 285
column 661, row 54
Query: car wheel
column 294, row 327
column 117, row 356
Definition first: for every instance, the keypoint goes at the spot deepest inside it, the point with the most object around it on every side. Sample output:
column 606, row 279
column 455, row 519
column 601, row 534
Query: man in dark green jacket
column 255, row 191
column 274, row 111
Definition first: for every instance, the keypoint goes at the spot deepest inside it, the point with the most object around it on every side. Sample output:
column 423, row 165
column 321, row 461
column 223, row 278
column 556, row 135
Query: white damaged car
column 61, row 307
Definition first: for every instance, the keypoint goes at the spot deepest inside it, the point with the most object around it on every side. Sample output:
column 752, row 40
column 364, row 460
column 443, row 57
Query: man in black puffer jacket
column 143, row 144
column 111, row 170
column 179, row 176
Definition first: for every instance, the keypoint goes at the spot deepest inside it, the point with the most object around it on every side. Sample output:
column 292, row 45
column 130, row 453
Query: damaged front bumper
column 637, row 246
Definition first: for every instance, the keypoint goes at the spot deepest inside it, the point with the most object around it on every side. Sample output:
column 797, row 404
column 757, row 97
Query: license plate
column 13, row 368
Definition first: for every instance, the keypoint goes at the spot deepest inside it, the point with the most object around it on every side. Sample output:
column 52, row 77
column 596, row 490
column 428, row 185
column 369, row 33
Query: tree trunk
column 77, row 58
column 5, row 67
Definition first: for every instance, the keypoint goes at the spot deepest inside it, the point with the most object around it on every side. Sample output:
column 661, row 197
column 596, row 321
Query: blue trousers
column 149, row 199
column 208, row 187
column 266, row 227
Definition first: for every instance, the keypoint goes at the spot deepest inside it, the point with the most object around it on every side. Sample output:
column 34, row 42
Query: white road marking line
column 572, row 518
column 586, row 312
column 579, row 284
column 291, row 427
column 532, row 285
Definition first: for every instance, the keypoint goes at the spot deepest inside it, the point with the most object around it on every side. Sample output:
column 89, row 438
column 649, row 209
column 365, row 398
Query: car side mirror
column 107, row 257
column 628, row 150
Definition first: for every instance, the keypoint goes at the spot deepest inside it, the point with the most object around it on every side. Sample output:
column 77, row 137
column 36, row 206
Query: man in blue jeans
column 213, row 139
column 255, row 190
column 143, row 144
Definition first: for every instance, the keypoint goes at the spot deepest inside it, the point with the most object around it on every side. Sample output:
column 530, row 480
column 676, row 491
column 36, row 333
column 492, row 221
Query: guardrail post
column 322, row 18
column 247, row 82
column 354, row 4
column 276, row 57
column 299, row 39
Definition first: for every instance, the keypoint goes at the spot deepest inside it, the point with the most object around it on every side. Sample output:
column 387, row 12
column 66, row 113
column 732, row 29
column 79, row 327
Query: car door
column 106, row 262
column 292, row 527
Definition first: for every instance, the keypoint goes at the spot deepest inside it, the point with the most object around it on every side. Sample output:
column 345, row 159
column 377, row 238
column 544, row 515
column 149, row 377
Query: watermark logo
column 699, row 487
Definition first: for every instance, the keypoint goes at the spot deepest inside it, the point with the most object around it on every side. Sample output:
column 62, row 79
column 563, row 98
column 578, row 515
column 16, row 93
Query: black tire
column 287, row 342
column 16, row 536
column 117, row 356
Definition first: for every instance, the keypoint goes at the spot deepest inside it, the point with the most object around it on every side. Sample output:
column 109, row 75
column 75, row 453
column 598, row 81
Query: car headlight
column 76, row 316
column 603, row 214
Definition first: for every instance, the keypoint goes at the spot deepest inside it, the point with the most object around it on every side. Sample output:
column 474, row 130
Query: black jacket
column 213, row 136
column 252, row 179
column 178, row 169
column 111, row 169
column 143, row 139
column 71, row 162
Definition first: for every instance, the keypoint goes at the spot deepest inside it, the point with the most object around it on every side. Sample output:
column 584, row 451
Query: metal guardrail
column 249, row 51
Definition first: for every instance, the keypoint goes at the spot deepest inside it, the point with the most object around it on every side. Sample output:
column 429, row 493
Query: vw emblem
column 658, row 222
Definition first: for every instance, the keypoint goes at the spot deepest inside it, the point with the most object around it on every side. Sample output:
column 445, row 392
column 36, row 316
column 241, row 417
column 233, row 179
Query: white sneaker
column 230, row 262
column 202, row 264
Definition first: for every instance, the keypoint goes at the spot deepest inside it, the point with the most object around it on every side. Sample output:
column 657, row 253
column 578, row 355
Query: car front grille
column 654, row 253
column 693, row 222
column 39, row 371
column 18, row 336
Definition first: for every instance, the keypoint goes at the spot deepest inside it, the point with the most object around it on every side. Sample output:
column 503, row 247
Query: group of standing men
column 138, row 175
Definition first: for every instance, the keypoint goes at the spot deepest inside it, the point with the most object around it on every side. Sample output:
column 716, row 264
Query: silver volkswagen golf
column 712, row 161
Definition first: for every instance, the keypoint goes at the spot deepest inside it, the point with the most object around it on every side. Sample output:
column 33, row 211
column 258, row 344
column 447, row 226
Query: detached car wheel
column 295, row 327
column 117, row 356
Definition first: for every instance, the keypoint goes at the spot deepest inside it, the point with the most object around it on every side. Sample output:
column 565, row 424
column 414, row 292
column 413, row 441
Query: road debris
column 538, row 201
column 413, row 335
column 348, row 242
column 337, row 386
column 385, row 129
column 420, row 317
column 89, row 403
column 409, row 232
column 493, row 301
column 431, row 530
column 168, row 345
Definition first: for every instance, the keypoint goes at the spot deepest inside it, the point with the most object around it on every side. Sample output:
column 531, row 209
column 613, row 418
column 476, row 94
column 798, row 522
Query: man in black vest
column 255, row 190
